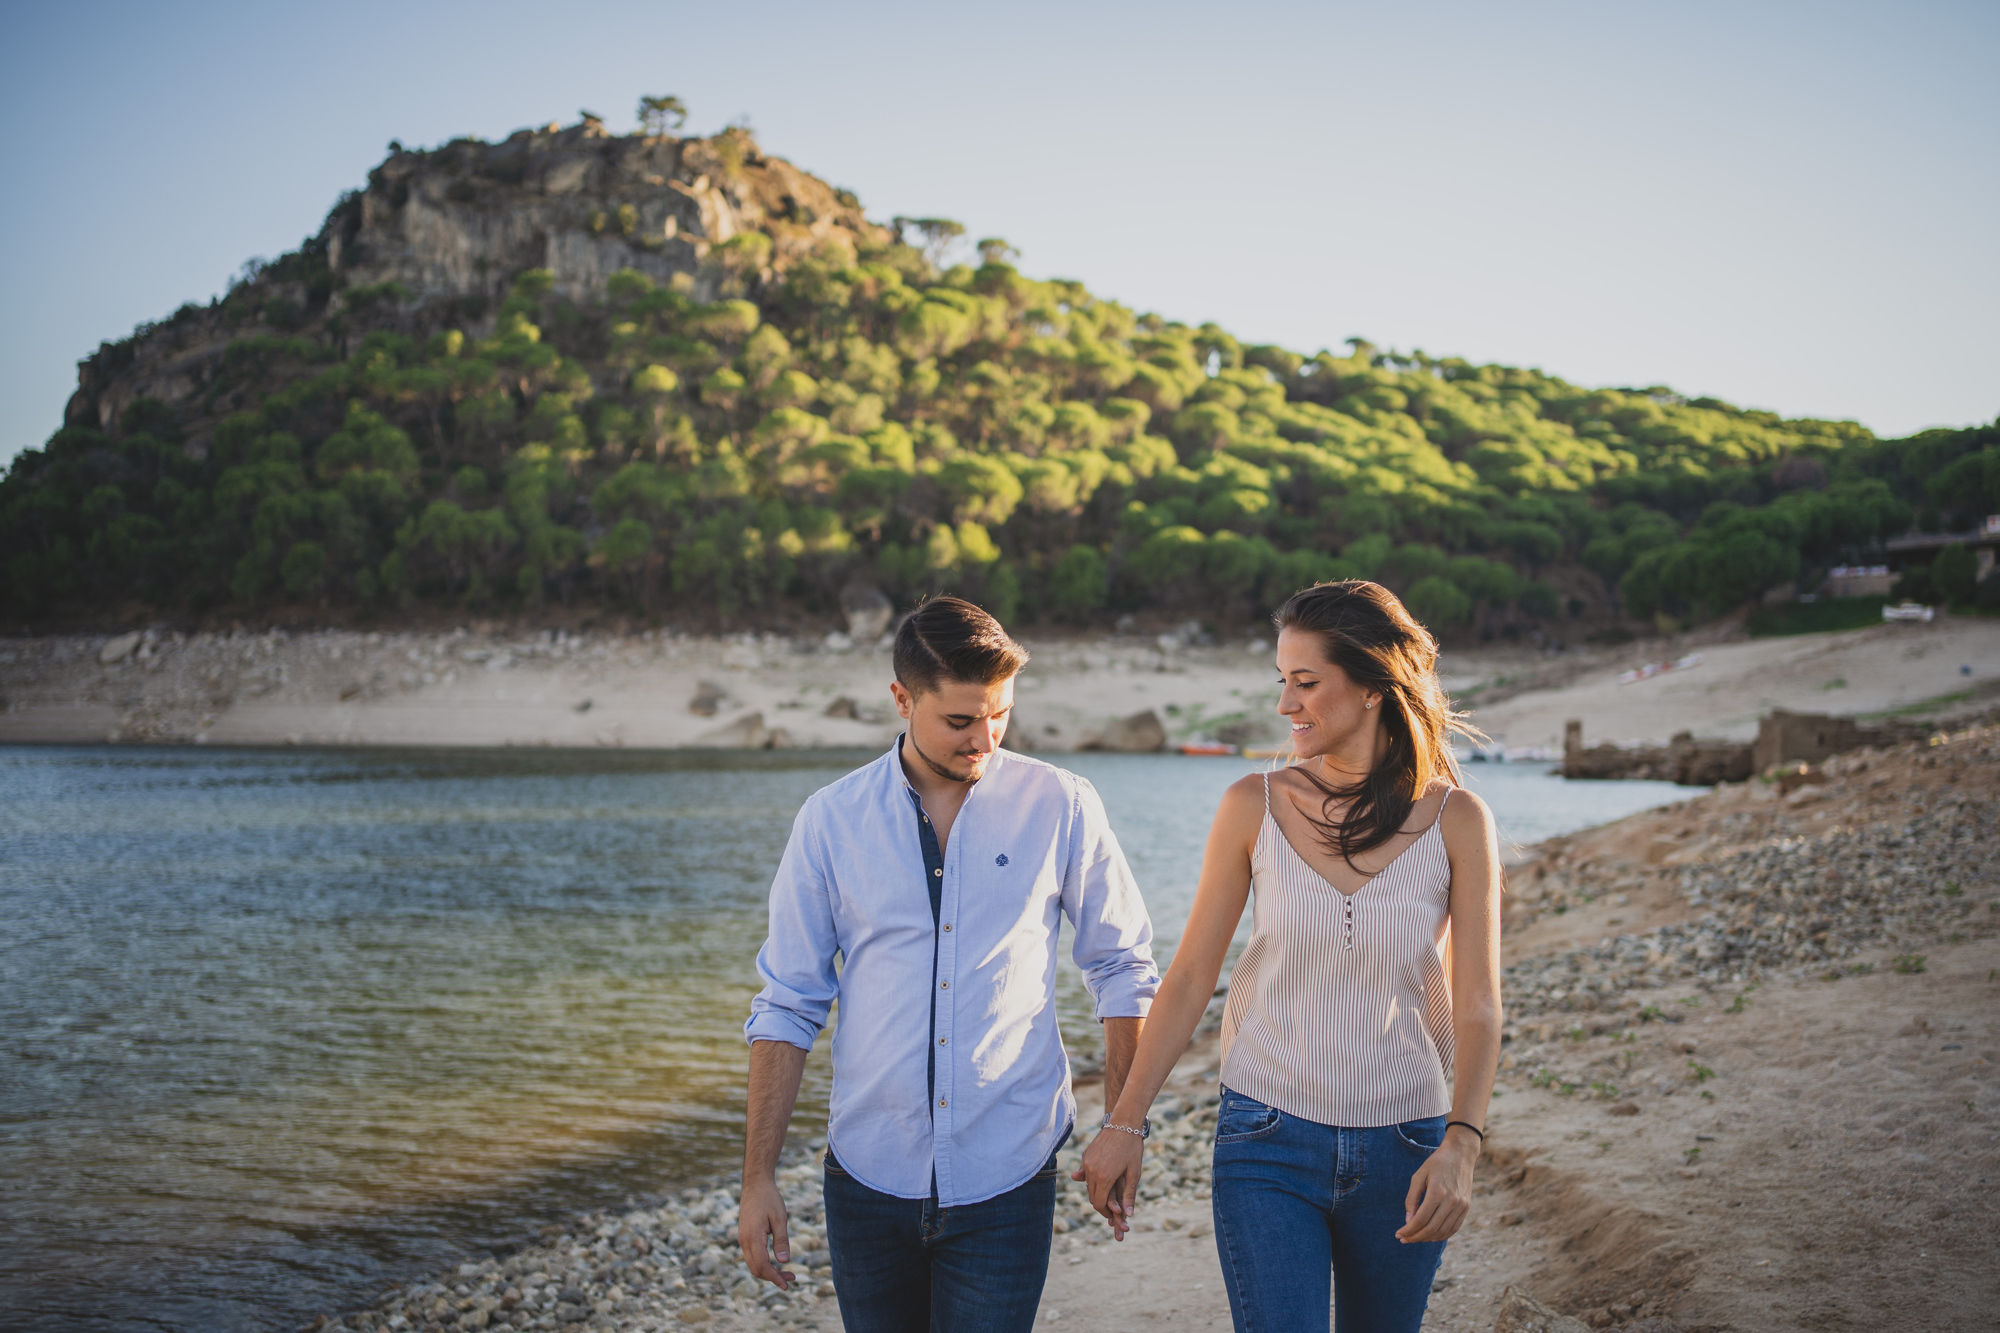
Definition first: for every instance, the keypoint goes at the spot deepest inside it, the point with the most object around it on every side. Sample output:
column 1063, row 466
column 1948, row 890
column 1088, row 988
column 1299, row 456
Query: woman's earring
column 1368, row 703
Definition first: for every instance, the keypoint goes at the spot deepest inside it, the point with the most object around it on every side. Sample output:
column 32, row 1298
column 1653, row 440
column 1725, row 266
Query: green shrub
column 1954, row 574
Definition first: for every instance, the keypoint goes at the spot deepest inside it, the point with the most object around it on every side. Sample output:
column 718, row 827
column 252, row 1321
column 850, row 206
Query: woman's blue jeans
column 911, row 1266
column 1299, row 1204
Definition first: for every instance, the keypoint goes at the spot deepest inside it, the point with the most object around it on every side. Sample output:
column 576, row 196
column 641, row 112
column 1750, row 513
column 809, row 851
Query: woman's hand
column 1111, row 1167
column 1440, row 1192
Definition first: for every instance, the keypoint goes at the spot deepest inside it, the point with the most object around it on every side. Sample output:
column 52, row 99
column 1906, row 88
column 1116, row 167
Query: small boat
column 1209, row 748
column 1651, row 669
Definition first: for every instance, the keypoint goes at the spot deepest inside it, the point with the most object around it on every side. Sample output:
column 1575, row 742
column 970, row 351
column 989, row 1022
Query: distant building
column 1918, row 548
column 1858, row 581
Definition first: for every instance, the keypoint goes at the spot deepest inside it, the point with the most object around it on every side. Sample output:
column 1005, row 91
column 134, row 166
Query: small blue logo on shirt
column 1000, row 860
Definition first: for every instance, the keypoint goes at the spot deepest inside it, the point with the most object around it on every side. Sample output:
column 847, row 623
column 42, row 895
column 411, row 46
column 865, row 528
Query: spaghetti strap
column 1267, row 793
column 1441, row 805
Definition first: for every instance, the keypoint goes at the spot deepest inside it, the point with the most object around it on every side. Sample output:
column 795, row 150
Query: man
column 939, row 875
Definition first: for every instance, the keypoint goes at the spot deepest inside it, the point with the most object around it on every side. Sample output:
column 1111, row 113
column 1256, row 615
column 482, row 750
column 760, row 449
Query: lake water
column 280, row 1028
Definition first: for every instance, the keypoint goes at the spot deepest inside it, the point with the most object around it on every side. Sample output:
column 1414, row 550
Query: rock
column 843, row 707
column 1623, row 1108
column 1522, row 1313
column 1141, row 733
column 708, row 699
column 745, row 733
column 868, row 611
column 117, row 650
column 694, row 1314
column 1248, row 731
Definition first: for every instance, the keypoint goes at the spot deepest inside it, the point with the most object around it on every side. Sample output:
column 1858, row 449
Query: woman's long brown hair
column 1366, row 631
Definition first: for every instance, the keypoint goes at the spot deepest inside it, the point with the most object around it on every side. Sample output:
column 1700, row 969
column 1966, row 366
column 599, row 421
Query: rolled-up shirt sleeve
column 1114, row 936
column 796, row 961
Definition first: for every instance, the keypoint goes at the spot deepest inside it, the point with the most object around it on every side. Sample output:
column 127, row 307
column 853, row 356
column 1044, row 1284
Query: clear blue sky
column 1792, row 206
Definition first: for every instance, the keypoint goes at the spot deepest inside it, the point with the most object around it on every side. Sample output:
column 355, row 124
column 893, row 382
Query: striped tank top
column 1339, row 1009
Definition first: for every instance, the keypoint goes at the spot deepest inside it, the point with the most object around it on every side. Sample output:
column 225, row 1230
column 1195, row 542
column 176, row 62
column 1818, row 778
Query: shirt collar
column 895, row 761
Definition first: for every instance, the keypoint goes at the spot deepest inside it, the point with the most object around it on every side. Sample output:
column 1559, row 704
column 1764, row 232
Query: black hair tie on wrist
column 1474, row 1128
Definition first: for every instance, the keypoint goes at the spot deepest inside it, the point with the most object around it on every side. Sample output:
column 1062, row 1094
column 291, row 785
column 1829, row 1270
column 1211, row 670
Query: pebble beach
column 1636, row 952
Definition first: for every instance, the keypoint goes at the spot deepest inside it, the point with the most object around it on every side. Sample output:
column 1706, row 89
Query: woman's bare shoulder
column 1246, row 793
column 1467, row 819
column 1241, row 809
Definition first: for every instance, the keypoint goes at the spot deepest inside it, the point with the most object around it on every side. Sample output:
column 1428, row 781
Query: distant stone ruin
column 1782, row 738
column 1683, row 759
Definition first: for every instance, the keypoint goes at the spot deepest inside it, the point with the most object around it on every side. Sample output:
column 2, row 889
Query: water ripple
column 279, row 1028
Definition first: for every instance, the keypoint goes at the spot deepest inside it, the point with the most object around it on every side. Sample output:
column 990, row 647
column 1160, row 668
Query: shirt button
column 944, row 985
column 939, row 872
column 941, row 1041
column 947, row 927
column 943, row 1102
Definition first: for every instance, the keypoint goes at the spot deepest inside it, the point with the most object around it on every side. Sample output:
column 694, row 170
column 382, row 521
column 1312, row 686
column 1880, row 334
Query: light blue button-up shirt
column 1030, row 846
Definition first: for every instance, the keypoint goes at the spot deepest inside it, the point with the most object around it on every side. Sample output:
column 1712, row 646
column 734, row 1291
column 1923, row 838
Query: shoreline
column 1708, row 1004
column 663, row 690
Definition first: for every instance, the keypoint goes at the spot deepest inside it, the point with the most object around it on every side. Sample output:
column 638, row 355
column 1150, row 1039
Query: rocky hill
column 680, row 380
column 438, row 237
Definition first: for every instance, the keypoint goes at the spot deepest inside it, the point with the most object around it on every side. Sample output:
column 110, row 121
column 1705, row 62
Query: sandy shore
column 488, row 687
column 1749, row 1082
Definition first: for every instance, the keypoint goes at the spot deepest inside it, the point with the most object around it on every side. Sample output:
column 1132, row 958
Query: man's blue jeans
column 1298, row 1203
column 910, row 1266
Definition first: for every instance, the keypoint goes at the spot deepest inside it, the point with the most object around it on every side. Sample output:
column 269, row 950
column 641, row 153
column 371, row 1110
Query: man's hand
column 1111, row 1166
column 760, row 1231
column 775, row 1067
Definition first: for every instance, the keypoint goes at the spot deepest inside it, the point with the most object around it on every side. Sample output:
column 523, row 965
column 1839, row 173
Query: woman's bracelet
column 1142, row 1133
column 1474, row 1128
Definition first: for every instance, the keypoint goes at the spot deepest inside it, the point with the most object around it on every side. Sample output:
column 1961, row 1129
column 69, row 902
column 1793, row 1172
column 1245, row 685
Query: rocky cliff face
column 463, row 219
column 437, row 236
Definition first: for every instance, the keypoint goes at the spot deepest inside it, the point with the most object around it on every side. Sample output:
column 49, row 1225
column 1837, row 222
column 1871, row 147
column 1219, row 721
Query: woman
column 1363, row 1023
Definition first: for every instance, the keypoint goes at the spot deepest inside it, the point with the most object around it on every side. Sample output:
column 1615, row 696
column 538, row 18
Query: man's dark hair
column 948, row 638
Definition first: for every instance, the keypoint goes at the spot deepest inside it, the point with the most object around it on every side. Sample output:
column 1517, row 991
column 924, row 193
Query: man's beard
column 938, row 768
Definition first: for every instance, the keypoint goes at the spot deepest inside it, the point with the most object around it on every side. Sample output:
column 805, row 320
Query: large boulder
column 1255, row 729
column 745, row 733
column 118, row 649
column 1141, row 733
column 708, row 699
column 868, row 611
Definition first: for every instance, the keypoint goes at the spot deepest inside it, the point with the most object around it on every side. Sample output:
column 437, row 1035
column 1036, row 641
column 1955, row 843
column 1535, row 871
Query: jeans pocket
column 1241, row 1118
column 1423, row 1137
column 833, row 1165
